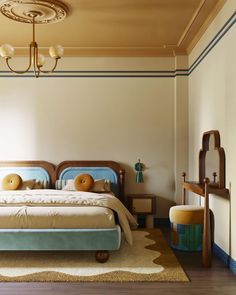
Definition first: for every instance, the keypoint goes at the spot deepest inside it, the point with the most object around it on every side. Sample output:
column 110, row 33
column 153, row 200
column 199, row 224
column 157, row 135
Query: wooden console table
column 204, row 187
column 204, row 191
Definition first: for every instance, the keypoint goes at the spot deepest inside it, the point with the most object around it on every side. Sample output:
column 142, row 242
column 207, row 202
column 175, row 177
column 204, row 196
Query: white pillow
column 69, row 185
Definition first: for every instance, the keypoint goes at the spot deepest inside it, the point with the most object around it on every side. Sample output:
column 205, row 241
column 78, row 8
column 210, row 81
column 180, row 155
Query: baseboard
column 232, row 265
column 222, row 255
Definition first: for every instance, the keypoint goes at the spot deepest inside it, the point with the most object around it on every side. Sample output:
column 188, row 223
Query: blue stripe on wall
column 136, row 74
column 226, row 27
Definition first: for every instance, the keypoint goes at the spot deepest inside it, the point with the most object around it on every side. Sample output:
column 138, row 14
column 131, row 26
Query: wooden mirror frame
column 202, row 158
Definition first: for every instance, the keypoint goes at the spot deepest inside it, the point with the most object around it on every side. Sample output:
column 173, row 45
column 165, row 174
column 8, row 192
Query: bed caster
column 102, row 256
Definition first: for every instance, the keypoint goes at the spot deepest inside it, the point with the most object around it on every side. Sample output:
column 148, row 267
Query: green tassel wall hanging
column 139, row 167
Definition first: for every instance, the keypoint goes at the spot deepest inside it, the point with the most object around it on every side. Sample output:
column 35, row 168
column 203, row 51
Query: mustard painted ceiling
column 119, row 27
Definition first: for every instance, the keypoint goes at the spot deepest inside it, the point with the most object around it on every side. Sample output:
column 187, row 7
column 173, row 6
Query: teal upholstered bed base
column 60, row 239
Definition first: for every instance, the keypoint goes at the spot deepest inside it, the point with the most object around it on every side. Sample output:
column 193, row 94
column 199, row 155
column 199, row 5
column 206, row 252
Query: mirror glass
column 212, row 163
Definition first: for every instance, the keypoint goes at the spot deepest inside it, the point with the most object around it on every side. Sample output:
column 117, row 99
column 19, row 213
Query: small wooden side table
column 143, row 204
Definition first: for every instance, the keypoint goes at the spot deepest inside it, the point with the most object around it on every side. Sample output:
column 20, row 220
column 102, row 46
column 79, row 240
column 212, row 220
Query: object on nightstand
column 142, row 204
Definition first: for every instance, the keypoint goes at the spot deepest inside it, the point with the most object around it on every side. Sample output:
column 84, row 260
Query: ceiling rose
column 33, row 12
column 48, row 11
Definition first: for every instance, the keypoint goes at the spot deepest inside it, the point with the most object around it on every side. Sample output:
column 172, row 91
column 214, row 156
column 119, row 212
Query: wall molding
column 102, row 74
column 137, row 74
column 215, row 40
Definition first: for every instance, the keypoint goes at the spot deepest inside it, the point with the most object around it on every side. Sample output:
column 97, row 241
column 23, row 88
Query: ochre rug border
column 173, row 272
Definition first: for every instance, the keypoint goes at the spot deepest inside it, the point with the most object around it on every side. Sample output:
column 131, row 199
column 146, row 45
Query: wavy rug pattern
column 149, row 259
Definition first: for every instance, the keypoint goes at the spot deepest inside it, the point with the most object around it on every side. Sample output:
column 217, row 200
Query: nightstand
column 142, row 204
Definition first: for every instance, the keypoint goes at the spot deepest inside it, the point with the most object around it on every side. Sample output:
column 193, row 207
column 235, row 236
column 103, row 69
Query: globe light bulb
column 7, row 51
column 56, row 51
column 41, row 60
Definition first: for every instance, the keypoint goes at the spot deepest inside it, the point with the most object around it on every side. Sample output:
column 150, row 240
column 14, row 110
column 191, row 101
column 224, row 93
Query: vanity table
column 208, row 166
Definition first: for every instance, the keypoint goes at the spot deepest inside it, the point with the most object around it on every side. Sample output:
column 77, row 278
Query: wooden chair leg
column 206, row 245
column 183, row 190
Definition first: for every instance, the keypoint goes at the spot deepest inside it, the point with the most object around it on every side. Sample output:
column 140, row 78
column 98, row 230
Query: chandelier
column 33, row 12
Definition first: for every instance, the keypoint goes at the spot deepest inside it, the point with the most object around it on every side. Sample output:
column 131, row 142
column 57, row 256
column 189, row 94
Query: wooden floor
column 215, row 280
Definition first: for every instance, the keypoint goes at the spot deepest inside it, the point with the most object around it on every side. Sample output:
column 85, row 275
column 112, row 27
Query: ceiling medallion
column 33, row 12
column 48, row 11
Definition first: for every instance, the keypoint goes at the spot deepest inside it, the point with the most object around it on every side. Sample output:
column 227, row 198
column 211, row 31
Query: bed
column 51, row 219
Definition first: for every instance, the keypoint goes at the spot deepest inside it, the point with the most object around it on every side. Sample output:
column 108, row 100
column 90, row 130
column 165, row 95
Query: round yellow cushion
column 187, row 214
column 83, row 182
column 11, row 182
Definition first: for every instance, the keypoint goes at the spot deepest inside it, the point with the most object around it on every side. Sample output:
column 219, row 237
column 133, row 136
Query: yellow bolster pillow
column 11, row 182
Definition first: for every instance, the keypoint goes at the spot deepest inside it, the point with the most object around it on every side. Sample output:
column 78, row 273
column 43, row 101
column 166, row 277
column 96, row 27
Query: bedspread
column 70, row 198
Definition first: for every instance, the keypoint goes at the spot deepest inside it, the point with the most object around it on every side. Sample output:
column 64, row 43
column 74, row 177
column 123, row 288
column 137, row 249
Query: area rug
column 148, row 259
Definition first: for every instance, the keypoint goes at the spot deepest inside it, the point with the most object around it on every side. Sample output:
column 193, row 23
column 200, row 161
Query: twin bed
column 56, row 219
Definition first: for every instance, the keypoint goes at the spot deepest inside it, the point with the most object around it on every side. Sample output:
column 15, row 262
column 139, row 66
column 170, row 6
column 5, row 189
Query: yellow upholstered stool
column 186, row 227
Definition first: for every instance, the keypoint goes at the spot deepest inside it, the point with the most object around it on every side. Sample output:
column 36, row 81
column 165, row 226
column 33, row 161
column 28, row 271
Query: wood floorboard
column 217, row 280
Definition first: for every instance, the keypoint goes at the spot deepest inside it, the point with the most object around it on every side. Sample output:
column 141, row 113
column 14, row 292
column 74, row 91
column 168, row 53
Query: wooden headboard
column 98, row 169
column 40, row 170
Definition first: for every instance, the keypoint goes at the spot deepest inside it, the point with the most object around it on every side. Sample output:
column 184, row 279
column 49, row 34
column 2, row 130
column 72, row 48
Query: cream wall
column 212, row 105
column 114, row 118
column 126, row 118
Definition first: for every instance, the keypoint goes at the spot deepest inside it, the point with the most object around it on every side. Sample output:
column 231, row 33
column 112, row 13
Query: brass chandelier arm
column 35, row 62
column 20, row 72
column 49, row 71
column 38, row 68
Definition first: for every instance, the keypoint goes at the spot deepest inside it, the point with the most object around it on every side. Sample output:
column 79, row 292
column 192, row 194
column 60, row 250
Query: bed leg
column 102, row 256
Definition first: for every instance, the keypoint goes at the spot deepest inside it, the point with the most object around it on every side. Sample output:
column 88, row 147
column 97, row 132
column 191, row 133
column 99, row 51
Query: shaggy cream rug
column 149, row 259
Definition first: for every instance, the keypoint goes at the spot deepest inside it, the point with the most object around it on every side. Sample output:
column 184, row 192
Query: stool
column 186, row 227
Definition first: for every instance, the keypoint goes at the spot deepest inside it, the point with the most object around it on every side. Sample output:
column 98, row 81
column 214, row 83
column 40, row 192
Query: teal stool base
column 189, row 237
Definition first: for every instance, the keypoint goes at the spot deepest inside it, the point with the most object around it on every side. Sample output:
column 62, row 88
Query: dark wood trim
column 183, row 189
column 122, row 185
column 120, row 172
column 199, row 189
column 202, row 157
column 49, row 167
column 217, row 188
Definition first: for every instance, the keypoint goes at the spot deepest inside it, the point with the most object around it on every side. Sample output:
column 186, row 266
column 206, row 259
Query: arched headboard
column 98, row 169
